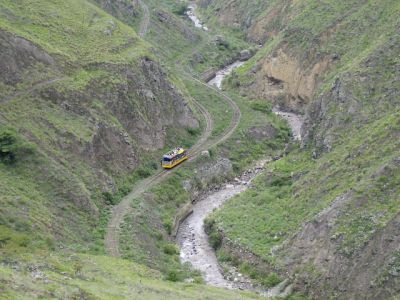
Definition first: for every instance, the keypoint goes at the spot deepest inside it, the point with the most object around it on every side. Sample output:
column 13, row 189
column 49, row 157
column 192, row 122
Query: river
column 191, row 237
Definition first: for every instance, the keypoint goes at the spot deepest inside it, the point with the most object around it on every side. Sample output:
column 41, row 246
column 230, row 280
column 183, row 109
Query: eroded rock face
column 111, row 149
column 262, row 133
column 283, row 80
column 343, row 275
column 146, row 104
column 208, row 174
column 17, row 55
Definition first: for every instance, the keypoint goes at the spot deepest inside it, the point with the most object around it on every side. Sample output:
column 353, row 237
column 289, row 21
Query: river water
column 221, row 74
column 193, row 240
column 191, row 237
column 196, row 21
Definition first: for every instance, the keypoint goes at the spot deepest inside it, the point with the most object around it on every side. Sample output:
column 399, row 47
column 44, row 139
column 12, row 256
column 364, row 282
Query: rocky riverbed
column 193, row 241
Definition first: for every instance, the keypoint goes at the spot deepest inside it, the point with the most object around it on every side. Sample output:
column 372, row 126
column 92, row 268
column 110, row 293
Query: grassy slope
column 175, row 47
column 81, row 37
column 365, row 141
column 74, row 32
column 145, row 233
column 47, row 275
column 74, row 29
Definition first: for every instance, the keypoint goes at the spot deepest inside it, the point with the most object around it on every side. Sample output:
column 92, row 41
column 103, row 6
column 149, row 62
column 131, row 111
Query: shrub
column 271, row 280
column 193, row 131
column 170, row 249
column 215, row 240
column 180, row 8
column 281, row 181
column 143, row 172
column 173, row 275
column 264, row 106
column 168, row 226
column 108, row 198
column 12, row 146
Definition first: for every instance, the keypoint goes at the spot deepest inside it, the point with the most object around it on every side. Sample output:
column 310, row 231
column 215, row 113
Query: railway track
column 111, row 240
column 123, row 208
column 31, row 89
column 144, row 25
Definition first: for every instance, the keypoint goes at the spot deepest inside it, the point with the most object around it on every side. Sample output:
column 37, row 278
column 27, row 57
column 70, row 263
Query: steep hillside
column 329, row 217
column 83, row 106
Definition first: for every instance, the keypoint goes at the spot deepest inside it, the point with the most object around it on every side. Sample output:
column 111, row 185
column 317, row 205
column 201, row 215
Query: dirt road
column 144, row 25
column 31, row 89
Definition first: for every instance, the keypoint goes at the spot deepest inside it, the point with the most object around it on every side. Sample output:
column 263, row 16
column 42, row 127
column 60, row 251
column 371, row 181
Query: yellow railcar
column 173, row 158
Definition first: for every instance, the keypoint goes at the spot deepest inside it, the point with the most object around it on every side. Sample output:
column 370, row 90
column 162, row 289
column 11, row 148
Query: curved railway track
column 123, row 208
column 111, row 240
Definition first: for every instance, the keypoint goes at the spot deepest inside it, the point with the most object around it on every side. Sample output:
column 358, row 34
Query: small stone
column 205, row 153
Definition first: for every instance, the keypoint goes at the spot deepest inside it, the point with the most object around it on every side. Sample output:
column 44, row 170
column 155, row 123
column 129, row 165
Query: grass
column 58, row 275
column 76, row 30
column 364, row 145
column 272, row 211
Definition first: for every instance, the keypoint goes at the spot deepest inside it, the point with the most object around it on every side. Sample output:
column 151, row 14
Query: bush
column 170, row 249
column 168, row 226
column 12, row 146
column 264, row 106
column 271, row 280
column 108, row 198
column 173, row 275
column 280, row 181
column 143, row 172
column 215, row 240
column 193, row 131
column 180, row 8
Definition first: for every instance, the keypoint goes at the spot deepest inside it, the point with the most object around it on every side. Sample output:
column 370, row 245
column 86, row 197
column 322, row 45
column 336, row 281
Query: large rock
column 262, row 133
column 245, row 55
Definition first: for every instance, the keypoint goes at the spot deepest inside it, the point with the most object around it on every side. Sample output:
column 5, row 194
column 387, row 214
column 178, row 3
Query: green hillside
column 320, row 212
column 53, row 276
column 93, row 92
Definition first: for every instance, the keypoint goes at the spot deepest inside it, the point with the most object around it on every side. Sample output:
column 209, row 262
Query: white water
column 193, row 240
column 295, row 122
column 194, row 18
column 221, row 74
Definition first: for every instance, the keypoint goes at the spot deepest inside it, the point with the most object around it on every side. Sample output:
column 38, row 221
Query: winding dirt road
column 35, row 86
column 111, row 239
column 144, row 25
